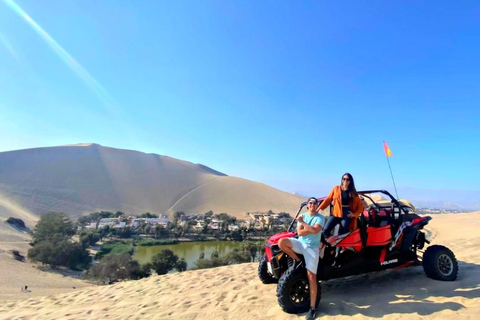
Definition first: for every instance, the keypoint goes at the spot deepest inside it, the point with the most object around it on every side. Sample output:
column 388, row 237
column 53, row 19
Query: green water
column 190, row 251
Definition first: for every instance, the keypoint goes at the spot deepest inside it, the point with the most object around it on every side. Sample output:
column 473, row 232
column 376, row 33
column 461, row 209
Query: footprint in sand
column 222, row 297
column 234, row 298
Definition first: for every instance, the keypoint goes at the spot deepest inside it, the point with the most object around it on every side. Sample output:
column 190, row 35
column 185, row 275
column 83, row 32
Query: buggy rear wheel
column 293, row 292
column 263, row 273
column 439, row 263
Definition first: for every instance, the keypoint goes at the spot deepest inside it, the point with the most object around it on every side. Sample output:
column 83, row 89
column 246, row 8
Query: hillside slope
column 79, row 179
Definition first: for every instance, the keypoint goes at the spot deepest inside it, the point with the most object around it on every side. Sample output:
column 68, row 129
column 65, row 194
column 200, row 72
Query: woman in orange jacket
column 347, row 206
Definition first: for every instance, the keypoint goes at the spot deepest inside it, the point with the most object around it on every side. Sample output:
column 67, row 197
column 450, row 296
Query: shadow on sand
column 61, row 271
column 405, row 291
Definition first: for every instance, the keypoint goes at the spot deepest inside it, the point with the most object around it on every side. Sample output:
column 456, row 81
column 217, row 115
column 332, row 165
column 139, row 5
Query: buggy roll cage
column 364, row 193
column 393, row 200
column 303, row 204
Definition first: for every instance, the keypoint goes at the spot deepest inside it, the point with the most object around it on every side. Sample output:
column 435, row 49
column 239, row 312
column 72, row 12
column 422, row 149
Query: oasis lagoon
column 190, row 251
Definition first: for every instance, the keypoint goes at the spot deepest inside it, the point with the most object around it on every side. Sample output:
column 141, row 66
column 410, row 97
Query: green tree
column 270, row 224
column 83, row 221
column 237, row 256
column 104, row 232
column 59, row 253
column 209, row 214
column 210, row 263
column 42, row 252
column 176, row 216
column 53, row 225
column 181, row 265
column 164, row 261
column 73, row 254
column 214, row 254
column 189, row 225
column 118, row 267
column 147, row 228
column 244, row 232
column 251, row 248
column 148, row 215
column 124, row 232
column 236, row 235
column 225, row 218
column 118, row 214
column 144, row 271
column 89, row 237
column 52, row 244
column 161, row 232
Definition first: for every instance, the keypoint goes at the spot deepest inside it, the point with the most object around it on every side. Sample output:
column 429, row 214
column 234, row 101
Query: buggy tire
column 263, row 273
column 293, row 291
column 439, row 263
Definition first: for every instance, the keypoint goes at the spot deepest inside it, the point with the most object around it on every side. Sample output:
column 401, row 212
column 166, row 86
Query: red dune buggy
column 389, row 235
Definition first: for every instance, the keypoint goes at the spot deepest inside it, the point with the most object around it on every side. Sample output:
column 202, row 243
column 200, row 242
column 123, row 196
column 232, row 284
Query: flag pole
column 388, row 153
column 392, row 177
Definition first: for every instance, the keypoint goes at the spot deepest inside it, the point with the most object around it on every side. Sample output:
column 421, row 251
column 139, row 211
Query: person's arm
column 304, row 229
column 326, row 202
column 300, row 227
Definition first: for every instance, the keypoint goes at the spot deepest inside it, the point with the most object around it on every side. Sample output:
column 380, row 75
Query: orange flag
column 388, row 152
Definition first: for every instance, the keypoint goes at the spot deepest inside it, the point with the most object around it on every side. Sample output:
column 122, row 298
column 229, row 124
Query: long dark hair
column 351, row 186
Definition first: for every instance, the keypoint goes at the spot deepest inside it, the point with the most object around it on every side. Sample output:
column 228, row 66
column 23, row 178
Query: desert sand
column 234, row 292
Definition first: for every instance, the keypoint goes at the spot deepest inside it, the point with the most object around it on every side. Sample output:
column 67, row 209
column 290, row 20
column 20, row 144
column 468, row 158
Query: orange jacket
column 356, row 205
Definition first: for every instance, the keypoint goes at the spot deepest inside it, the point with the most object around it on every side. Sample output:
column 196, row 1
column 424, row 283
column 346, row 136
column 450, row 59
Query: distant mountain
column 447, row 205
column 83, row 178
column 299, row 194
column 449, row 199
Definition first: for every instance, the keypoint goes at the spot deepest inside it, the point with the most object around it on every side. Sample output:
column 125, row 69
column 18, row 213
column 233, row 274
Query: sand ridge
column 84, row 178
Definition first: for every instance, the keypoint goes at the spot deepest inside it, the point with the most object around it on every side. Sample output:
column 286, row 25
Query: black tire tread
column 429, row 263
column 263, row 274
column 283, row 295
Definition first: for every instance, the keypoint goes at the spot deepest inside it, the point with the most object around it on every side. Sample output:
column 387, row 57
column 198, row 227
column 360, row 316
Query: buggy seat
column 378, row 217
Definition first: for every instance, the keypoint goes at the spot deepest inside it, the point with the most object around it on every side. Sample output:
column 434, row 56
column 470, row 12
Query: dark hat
column 312, row 198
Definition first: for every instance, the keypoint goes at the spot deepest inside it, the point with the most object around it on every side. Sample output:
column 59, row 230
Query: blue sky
column 291, row 94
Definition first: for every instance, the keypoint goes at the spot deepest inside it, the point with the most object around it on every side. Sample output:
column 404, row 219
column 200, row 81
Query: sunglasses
column 345, row 179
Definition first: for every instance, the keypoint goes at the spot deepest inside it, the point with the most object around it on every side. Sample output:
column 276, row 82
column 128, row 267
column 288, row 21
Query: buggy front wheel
column 263, row 272
column 293, row 292
column 439, row 263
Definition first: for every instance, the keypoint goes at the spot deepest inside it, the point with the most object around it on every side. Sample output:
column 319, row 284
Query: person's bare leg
column 312, row 281
column 286, row 247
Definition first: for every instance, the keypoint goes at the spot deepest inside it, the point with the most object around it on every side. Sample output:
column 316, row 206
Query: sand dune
column 10, row 209
column 230, row 193
column 79, row 179
column 234, row 292
column 15, row 274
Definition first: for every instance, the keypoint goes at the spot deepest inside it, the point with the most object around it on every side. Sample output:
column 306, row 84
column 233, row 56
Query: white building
column 162, row 222
column 233, row 227
column 111, row 222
